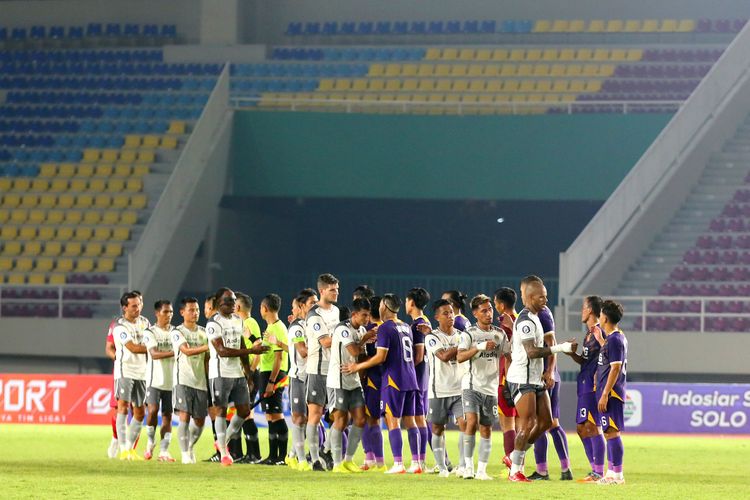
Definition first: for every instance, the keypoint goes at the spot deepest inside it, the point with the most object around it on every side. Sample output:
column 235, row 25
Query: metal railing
column 54, row 301
column 460, row 108
column 639, row 309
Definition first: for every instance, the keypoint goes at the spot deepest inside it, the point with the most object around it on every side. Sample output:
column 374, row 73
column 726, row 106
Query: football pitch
column 47, row 461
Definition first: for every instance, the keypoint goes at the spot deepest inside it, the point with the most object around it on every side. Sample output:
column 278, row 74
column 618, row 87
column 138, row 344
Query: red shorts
column 502, row 406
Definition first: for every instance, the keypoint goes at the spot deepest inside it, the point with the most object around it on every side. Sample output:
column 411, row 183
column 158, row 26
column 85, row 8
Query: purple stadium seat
column 743, row 241
column 706, row 242
column 655, row 306
column 731, row 210
column 680, row 273
column 730, row 257
column 717, row 226
column 692, row 256
column 734, row 307
column 744, row 258
column 676, row 306
column 719, row 274
column 736, row 225
column 723, row 242
column 722, row 26
column 693, row 306
column 726, row 290
column 703, row 26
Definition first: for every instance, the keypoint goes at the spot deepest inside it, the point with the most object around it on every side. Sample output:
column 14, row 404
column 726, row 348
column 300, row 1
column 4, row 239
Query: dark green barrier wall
column 551, row 157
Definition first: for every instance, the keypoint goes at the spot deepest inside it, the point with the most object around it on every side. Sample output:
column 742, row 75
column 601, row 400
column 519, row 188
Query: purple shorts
column 399, row 403
column 614, row 416
column 372, row 402
column 587, row 411
column 422, row 404
column 554, row 399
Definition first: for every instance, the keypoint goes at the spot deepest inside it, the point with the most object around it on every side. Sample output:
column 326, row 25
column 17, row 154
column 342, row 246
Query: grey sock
column 312, row 442
column 470, row 443
column 235, row 427
column 151, row 433
column 164, row 443
column 461, row 458
column 195, row 433
column 485, row 447
column 337, row 440
column 134, row 430
column 327, row 442
column 122, row 425
column 355, row 435
column 183, row 436
column 438, row 450
column 517, row 457
column 220, row 424
column 298, row 442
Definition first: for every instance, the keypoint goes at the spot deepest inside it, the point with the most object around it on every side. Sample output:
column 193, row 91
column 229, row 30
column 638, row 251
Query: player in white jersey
column 319, row 325
column 130, row 374
column 228, row 368
column 159, row 368
column 482, row 347
column 298, row 377
column 190, row 392
column 349, row 337
column 444, row 389
column 525, row 375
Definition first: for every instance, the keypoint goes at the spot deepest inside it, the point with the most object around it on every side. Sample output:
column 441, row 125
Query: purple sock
column 617, row 453
column 561, row 445
column 397, row 444
column 597, row 449
column 587, row 447
column 369, row 456
column 321, row 435
column 345, row 438
column 540, row 454
column 413, row 435
column 423, row 440
column 376, row 440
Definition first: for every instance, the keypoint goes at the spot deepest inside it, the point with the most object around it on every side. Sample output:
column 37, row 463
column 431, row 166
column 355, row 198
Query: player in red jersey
column 505, row 302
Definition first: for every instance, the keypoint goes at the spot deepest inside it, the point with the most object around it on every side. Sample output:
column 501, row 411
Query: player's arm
column 300, row 346
column 229, row 352
column 615, row 367
column 135, row 348
column 110, row 350
column 534, row 352
column 192, row 351
column 157, row 354
column 547, row 376
column 468, row 349
column 576, row 357
column 378, row 359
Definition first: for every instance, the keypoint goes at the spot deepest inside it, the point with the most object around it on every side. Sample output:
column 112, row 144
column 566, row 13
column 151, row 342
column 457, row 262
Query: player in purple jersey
column 395, row 351
column 551, row 378
column 416, row 300
column 610, row 388
column 371, row 380
column 458, row 301
column 587, row 416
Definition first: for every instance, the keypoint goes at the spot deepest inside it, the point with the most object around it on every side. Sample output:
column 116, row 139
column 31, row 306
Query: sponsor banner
column 688, row 408
column 55, row 399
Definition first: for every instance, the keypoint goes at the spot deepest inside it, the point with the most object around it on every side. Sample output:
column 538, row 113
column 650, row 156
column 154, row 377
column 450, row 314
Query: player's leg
column 409, row 413
column 358, row 418
column 152, row 419
column 559, row 437
column 612, row 421
column 525, row 402
column 587, row 418
column 121, row 418
column 136, row 424
column 166, row 426
column 316, row 400
column 421, row 420
column 183, row 436
column 507, row 414
column 393, row 405
column 340, row 421
column 487, row 417
column 373, row 459
column 471, row 405
column 461, row 423
column 298, row 405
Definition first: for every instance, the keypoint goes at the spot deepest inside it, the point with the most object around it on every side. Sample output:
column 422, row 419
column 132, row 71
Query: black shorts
column 273, row 403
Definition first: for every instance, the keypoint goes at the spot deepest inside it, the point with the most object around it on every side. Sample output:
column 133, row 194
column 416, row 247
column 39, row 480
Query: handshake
column 568, row 347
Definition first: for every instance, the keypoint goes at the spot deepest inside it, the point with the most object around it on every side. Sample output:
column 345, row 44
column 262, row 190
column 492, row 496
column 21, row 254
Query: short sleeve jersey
column 398, row 368
column 297, row 363
column 374, row 374
column 159, row 371
column 523, row 370
column 461, row 322
column 278, row 330
column 444, row 376
column 343, row 335
column 319, row 323
column 230, row 331
column 614, row 350
column 253, row 330
column 189, row 371
column 548, row 325
column 422, row 369
column 590, row 355
column 127, row 363
column 484, row 366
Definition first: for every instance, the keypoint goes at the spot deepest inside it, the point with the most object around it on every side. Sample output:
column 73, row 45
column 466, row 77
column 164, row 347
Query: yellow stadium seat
column 375, row 70
column 55, row 216
column 122, row 170
column 146, row 156
column 452, row 98
column 72, row 249
column 543, row 86
column 459, row 70
column 36, row 278
column 105, row 265
column 491, row 70
column 596, row 26
column 56, row 279
column 393, row 85
column 24, row 264
column 85, row 170
column 567, row 55
column 518, row 98
column 517, row 55
column 449, row 54
column 39, row 185
column 79, row 185
column 483, row 55
column 83, row 233
column 527, row 86
column 560, row 86
column 557, row 70
column 500, row 55
column 573, row 70
column 409, row 70
column 97, row 185
column 84, row 201
column 508, row 70
column 46, row 233
column 475, row 70
column 64, row 233
column 149, row 141
column 44, row 264
column 84, row 265
column 5, row 184
column 535, row 98
column 533, row 55
column 120, row 201
column 402, row 97
column 134, row 185
column 128, row 155
column 342, row 84
column 91, row 155
column 460, row 86
column 168, row 142
column 632, row 26
column 92, row 217
column 116, row 185
column 425, row 69
column 436, row 98
column 466, row 55
column 4, row 215
column 686, row 26
column 650, row 26
column 93, row 249
column 601, row 55
column 615, row 26
column 511, row 86
column 541, row 70
column 52, row 249
column 443, row 85
column 66, row 170
column 110, row 217
column 560, row 26
column 47, row 170
column 29, row 201
column 21, row 184
column 476, row 86
column 326, row 84
column 8, row 232
column 593, row 86
column 590, row 70
column 16, row 279
column 410, row 84
column 12, row 248
column 606, row 70
column 37, row 216
column 494, row 86
column 6, row 264
column 64, row 265
column 576, row 26
column 426, row 85
column 140, row 170
column 442, row 70
column 66, row 201
column 120, row 234
column 19, row 215
column 432, row 54
column 393, row 70
column 359, row 84
column 542, row 26
column 176, row 127
column 634, row 55
column 113, row 249
column 58, row 185
column 549, row 55
column 618, row 55
column 102, row 201
column 668, row 25
column 525, row 70
column 469, row 98
column 132, row 141
column 576, row 86
column 27, row 233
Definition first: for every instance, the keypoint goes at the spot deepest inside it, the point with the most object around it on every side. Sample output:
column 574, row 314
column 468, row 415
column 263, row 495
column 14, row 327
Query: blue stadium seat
column 400, row 27
column 330, row 28
column 57, row 32
column 132, row 29
column 113, row 29
column 75, row 32
column 488, row 26
column 383, row 28
column 293, row 29
column 435, row 28
column 453, row 27
column 169, row 30
column 312, row 28
column 38, row 32
column 18, row 34
column 3, row 34
column 418, row 28
column 365, row 28
column 94, row 30
column 348, row 28
column 150, row 30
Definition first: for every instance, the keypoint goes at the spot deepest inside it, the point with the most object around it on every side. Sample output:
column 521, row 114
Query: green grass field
column 47, row 461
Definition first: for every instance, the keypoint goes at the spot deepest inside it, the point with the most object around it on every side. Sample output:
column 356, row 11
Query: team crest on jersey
column 123, row 335
column 316, row 326
column 433, row 342
column 526, row 329
column 176, row 337
column 344, row 334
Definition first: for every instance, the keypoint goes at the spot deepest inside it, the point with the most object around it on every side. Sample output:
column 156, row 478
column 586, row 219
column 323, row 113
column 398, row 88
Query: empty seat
column 64, row 233
column 84, row 265
column 52, row 249
column 105, row 265
column 83, row 233
column 64, row 264
column 113, row 249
